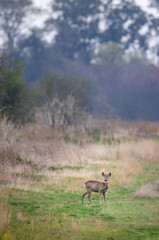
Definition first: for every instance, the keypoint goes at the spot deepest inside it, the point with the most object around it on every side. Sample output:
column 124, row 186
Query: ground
column 45, row 202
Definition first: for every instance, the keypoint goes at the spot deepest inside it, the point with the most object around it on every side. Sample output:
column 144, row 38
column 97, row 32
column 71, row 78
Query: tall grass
column 148, row 190
column 4, row 214
column 145, row 149
column 34, row 148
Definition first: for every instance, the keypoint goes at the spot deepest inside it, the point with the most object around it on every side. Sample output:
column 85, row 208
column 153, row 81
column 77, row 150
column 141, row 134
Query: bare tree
column 61, row 113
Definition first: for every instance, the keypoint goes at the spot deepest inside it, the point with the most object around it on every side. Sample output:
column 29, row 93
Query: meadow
column 42, row 176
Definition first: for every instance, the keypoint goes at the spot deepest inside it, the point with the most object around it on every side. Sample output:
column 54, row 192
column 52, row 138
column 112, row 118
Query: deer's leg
column 84, row 196
column 100, row 197
column 89, row 197
column 104, row 197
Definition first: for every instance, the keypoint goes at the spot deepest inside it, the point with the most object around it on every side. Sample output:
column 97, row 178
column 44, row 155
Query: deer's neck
column 106, row 184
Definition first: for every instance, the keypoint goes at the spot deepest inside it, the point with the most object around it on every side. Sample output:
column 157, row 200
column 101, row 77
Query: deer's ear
column 110, row 174
column 103, row 174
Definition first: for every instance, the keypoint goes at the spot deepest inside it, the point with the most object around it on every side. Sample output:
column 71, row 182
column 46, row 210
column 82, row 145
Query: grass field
column 43, row 201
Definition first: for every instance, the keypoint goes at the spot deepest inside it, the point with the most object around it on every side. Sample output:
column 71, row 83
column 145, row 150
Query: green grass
column 61, row 167
column 53, row 214
column 49, row 216
column 154, row 137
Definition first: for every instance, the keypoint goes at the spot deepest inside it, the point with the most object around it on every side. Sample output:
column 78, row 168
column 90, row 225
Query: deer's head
column 106, row 177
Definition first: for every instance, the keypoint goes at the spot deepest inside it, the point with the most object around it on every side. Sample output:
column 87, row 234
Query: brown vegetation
column 5, row 218
column 148, row 191
column 36, row 147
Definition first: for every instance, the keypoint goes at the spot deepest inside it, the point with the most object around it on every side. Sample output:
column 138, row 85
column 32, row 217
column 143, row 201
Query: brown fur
column 95, row 186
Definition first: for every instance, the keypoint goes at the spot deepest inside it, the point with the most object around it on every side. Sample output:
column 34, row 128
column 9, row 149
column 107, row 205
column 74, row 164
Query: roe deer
column 95, row 186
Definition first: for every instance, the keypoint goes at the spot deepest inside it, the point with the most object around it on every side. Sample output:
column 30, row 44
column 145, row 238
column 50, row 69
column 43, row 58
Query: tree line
column 95, row 61
column 64, row 98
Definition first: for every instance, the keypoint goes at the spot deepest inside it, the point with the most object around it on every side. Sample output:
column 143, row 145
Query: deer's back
column 95, row 186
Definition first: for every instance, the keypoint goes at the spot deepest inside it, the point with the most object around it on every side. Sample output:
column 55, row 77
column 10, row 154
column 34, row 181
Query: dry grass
column 69, row 180
column 34, row 148
column 147, row 127
column 45, row 146
column 147, row 191
column 4, row 214
column 142, row 149
column 125, row 172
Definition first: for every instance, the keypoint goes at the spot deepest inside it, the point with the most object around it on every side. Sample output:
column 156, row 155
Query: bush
column 96, row 135
column 65, row 100
column 16, row 99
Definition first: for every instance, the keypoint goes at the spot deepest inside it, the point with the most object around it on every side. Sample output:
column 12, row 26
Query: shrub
column 65, row 100
column 16, row 99
column 96, row 135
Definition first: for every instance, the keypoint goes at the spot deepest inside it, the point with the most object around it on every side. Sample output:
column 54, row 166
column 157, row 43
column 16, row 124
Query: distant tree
column 155, row 26
column 78, row 26
column 155, row 3
column 130, row 89
column 65, row 98
column 76, row 23
column 61, row 86
column 34, row 51
column 109, row 54
column 41, row 57
column 16, row 100
column 12, row 16
column 61, row 113
column 123, row 24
